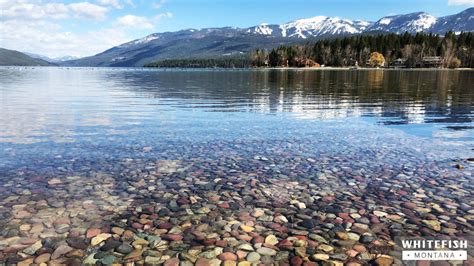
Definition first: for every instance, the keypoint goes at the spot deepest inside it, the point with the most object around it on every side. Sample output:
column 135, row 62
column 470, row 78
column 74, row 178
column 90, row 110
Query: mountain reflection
column 58, row 104
column 399, row 97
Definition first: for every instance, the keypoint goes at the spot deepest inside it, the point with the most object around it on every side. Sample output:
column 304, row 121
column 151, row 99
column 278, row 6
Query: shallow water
column 87, row 106
column 110, row 134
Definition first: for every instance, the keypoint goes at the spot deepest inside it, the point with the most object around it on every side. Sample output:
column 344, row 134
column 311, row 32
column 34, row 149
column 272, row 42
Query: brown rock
column 172, row 262
column 228, row 256
column 76, row 253
column 296, row 261
column 222, row 243
column 409, row 205
column 62, row 220
column 241, row 254
column 22, row 214
column 342, row 235
column 26, row 262
column 223, row 205
column 384, row 260
column 43, row 258
column 202, row 262
column 117, row 230
column 96, row 240
column 60, row 251
column 137, row 225
column 258, row 213
column 128, row 235
column 360, row 248
column 92, row 232
column 25, row 227
column 165, row 226
column 172, row 237
column 351, row 253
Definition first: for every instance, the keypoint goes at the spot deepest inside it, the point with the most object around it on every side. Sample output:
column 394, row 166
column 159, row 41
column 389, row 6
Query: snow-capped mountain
column 324, row 26
column 463, row 21
column 214, row 42
column 424, row 22
column 414, row 22
column 319, row 26
column 311, row 27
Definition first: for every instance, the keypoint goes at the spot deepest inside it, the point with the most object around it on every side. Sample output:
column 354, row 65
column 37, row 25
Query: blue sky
column 244, row 13
column 85, row 27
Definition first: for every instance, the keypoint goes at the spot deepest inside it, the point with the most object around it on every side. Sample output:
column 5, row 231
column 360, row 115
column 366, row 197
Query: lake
column 210, row 164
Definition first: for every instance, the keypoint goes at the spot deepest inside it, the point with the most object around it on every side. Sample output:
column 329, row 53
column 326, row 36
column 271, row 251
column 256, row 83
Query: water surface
column 88, row 148
column 47, row 107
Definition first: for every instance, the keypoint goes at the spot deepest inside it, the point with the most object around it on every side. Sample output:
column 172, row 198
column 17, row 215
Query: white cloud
column 50, row 39
column 25, row 10
column 135, row 22
column 88, row 10
column 41, row 26
column 32, row 10
column 34, row 26
column 111, row 3
column 461, row 2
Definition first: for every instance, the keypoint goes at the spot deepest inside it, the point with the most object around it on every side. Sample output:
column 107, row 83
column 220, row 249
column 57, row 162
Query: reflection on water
column 58, row 105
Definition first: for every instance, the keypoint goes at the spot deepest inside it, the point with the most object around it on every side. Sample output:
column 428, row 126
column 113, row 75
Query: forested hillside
column 405, row 50
column 15, row 58
column 410, row 50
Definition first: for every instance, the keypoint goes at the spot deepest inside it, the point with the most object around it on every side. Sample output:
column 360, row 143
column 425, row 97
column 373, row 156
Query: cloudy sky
column 85, row 27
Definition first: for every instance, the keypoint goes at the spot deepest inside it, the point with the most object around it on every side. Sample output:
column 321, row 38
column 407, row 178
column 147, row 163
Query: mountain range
column 412, row 23
column 233, row 41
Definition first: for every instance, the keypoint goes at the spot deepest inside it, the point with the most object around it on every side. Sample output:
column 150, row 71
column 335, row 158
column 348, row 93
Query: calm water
column 115, row 112
column 82, row 149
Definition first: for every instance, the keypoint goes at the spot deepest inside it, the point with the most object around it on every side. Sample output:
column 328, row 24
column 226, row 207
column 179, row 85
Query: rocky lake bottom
column 196, row 189
column 245, row 202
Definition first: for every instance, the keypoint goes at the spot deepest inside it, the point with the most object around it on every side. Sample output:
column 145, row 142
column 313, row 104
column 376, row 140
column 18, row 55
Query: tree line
column 453, row 50
column 407, row 50
column 230, row 62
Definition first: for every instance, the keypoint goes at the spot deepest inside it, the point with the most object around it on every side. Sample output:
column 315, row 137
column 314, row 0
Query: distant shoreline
column 248, row 68
column 360, row 68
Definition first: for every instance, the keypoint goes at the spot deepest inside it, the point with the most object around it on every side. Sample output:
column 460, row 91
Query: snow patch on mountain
column 385, row 21
column 262, row 29
column 424, row 22
column 414, row 22
column 299, row 27
column 322, row 25
column 146, row 39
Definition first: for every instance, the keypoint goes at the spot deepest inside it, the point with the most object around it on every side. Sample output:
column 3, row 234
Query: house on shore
column 431, row 62
column 398, row 63
column 425, row 62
